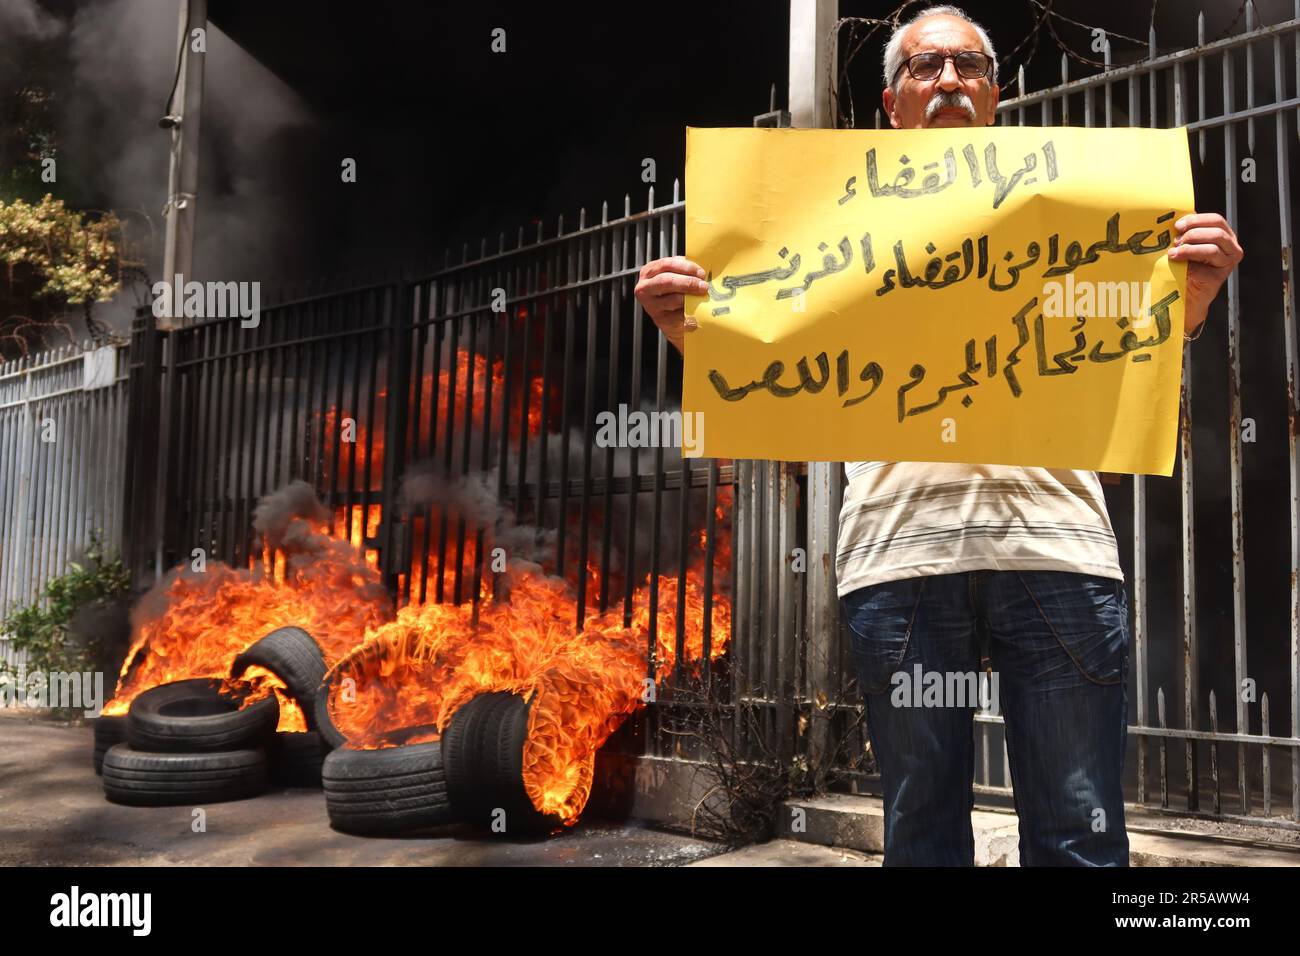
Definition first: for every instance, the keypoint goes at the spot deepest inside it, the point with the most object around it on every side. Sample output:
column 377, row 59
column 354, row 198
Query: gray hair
column 894, row 48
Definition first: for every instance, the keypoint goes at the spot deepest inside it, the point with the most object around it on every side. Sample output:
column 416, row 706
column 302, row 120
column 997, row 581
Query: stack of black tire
column 472, row 774
column 186, row 742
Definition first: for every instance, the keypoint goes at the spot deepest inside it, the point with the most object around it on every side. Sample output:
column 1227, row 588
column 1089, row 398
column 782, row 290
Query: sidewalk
column 53, row 812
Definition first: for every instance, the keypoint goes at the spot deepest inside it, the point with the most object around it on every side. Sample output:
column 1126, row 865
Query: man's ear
column 890, row 101
column 993, row 104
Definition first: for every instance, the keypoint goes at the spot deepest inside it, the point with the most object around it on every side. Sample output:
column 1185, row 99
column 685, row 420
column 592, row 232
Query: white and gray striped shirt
column 907, row 518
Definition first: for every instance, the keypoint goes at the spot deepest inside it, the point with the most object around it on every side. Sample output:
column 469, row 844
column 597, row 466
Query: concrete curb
column 857, row 823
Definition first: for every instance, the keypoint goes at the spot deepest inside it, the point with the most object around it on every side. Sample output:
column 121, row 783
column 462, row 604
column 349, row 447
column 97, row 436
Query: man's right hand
column 662, row 291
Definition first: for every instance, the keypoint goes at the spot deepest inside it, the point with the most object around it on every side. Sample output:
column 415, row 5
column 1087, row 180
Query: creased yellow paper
column 998, row 295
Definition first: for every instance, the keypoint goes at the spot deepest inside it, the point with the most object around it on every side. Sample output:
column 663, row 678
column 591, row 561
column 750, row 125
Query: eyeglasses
column 970, row 64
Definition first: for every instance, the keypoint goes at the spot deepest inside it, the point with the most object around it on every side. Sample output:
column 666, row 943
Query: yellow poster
column 999, row 295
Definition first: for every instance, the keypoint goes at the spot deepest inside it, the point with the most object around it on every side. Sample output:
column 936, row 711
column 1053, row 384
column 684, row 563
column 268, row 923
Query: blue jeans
column 1058, row 644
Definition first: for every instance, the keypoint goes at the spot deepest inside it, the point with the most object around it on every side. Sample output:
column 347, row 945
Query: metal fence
column 1211, row 725
column 62, row 423
column 495, row 366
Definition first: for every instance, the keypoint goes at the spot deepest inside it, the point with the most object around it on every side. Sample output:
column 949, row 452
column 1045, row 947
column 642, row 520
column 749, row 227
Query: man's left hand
column 1208, row 245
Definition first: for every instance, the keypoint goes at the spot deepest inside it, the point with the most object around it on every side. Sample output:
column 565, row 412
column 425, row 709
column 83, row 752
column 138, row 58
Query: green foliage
column 69, row 257
column 41, row 628
column 53, row 257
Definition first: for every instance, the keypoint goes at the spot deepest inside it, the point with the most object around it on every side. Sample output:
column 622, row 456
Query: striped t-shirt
column 907, row 518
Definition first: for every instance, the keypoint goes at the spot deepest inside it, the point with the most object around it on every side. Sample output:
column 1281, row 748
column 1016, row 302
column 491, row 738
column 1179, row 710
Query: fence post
column 394, row 532
column 825, row 490
column 139, row 526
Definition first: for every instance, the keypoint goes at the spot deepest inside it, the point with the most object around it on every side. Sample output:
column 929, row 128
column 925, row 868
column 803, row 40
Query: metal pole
column 183, row 171
column 813, row 57
column 812, row 61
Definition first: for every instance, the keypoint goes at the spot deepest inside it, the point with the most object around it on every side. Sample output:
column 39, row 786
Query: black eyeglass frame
column 986, row 73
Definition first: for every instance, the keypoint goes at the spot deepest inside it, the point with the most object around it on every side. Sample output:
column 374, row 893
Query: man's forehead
column 941, row 34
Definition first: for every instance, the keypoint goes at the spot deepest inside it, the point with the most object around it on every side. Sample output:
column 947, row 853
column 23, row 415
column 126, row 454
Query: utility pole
column 813, row 58
column 146, row 491
column 183, row 173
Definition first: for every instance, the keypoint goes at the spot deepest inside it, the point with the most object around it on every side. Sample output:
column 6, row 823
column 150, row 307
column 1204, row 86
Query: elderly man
column 941, row 564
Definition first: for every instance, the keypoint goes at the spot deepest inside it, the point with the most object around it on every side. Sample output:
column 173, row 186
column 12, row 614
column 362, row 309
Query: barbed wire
column 1240, row 10
column 1043, row 14
column 1031, row 38
column 891, row 20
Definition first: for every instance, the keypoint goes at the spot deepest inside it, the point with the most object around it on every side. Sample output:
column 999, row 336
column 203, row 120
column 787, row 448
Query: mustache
column 949, row 99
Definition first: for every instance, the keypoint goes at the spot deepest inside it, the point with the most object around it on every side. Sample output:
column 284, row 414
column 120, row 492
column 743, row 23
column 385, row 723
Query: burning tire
column 484, row 753
column 192, row 716
column 108, row 731
column 292, row 655
column 296, row 758
column 325, row 726
column 140, row 778
column 389, row 790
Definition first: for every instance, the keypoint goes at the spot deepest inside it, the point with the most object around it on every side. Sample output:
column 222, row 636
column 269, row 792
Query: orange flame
column 419, row 666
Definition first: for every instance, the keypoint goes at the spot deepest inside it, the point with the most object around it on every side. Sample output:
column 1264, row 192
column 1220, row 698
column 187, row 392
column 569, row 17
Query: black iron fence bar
column 531, row 277
column 258, row 399
column 511, row 283
column 437, row 292
column 354, row 408
column 421, row 293
column 546, row 306
column 240, row 533
column 206, row 389
column 471, row 372
column 449, row 428
column 485, row 457
column 217, row 479
column 213, row 438
column 683, row 507
column 376, row 295
column 657, row 509
column 618, row 257
column 710, row 551
column 595, row 266
column 640, row 255
column 218, row 356
column 568, row 286
column 339, row 308
column 396, row 303
column 573, row 268
column 564, row 240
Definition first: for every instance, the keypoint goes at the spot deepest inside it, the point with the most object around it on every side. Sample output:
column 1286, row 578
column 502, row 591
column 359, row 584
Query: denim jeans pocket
column 1088, row 616
column 880, row 618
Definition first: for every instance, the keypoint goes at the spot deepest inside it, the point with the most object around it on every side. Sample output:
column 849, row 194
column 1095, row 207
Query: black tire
column 292, row 655
column 387, row 791
column 461, row 749
column 140, row 778
column 109, row 730
column 190, row 716
column 484, row 754
column 296, row 758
